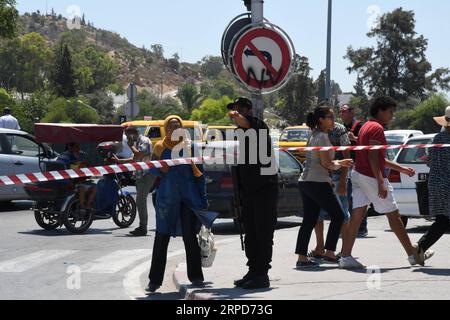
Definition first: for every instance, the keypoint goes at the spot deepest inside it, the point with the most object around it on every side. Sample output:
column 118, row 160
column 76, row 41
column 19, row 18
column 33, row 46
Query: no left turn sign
column 262, row 59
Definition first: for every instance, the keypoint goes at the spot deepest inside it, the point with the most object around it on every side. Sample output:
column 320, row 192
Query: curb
column 184, row 286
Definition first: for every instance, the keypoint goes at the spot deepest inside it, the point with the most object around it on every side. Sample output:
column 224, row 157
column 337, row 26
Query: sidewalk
column 388, row 276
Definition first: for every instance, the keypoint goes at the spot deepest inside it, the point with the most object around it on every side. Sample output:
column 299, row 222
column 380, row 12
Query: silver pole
column 258, row 17
column 328, row 82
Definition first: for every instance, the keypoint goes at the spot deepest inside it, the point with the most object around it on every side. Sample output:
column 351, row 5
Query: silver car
column 19, row 153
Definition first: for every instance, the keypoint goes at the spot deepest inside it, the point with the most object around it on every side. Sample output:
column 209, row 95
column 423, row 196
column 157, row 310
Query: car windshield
column 414, row 156
column 296, row 135
column 395, row 139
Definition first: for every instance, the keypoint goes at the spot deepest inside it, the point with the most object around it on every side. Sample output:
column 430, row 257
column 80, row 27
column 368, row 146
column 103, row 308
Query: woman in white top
column 316, row 187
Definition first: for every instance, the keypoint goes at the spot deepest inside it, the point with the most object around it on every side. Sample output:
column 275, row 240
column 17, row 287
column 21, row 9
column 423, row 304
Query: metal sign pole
column 328, row 73
column 258, row 17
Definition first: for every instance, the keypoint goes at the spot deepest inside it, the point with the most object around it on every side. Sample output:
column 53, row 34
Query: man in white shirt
column 8, row 121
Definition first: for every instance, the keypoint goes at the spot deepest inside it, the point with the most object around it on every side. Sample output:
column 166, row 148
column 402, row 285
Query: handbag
column 208, row 249
column 422, row 197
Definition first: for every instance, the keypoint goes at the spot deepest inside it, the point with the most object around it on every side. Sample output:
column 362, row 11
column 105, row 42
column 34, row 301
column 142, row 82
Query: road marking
column 132, row 283
column 115, row 261
column 33, row 260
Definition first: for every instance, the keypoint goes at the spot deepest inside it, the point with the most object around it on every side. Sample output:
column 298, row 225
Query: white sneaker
column 424, row 256
column 350, row 263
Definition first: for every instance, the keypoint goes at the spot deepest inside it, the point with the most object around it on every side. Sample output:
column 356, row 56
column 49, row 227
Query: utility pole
column 257, row 10
column 328, row 72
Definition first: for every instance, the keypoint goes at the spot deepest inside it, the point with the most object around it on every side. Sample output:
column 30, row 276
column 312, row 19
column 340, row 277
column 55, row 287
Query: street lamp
column 328, row 72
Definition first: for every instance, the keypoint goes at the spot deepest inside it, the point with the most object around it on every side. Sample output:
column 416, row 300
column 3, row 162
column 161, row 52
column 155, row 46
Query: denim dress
column 177, row 189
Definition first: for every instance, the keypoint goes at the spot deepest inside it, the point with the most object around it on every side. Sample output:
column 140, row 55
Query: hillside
column 146, row 67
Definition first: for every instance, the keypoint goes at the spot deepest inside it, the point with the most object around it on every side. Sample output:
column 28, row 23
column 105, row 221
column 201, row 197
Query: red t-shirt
column 372, row 133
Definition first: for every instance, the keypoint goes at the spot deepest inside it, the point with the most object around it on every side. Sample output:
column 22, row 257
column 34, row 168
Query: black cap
column 242, row 102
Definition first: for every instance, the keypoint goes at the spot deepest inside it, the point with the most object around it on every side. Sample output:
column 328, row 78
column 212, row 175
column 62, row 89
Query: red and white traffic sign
column 262, row 59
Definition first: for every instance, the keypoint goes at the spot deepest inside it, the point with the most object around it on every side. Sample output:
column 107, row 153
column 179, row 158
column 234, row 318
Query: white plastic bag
column 207, row 247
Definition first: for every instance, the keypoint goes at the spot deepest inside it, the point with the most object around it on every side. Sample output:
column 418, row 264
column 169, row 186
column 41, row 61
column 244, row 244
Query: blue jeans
column 343, row 200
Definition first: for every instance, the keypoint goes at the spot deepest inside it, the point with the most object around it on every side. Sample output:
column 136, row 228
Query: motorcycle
column 57, row 203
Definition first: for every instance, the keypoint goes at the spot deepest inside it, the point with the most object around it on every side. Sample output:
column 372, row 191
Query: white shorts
column 365, row 192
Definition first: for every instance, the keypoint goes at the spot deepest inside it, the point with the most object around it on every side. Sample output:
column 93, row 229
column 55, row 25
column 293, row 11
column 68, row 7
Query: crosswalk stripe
column 36, row 259
column 116, row 261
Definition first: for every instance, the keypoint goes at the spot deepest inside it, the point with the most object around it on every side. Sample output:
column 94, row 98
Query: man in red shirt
column 370, row 185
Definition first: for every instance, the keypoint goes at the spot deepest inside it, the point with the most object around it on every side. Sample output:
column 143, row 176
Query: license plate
column 423, row 176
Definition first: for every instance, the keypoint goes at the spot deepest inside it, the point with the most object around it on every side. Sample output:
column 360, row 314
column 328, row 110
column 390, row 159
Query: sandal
column 312, row 254
column 306, row 264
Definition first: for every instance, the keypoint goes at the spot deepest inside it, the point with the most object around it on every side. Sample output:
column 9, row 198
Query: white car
column 19, row 153
column 404, row 186
column 399, row 137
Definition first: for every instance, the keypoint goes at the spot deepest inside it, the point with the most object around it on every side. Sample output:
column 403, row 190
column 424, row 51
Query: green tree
column 158, row 51
column 321, row 86
column 150, row 105
column 24, row 63
column 188, row 95
column 103, row 104
column 34, row 109
column 71, row 111
column 94, row 70
column 299, row 95
column 223, row 88
column 63, row 76
column 421, row 117
column 397, row 66
column 213, row 111
column 9, row 17
column 360, row 100
column 211, row 66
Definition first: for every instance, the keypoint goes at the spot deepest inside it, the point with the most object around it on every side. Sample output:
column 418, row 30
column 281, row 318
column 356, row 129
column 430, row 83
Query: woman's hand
column 346, row 163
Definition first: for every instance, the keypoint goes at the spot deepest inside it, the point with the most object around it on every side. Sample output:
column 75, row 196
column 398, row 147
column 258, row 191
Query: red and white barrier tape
column 131, row 167
column 363, row 148
column 95, row 171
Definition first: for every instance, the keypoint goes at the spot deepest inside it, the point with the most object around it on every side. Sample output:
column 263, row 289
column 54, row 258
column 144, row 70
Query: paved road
column 104, row 263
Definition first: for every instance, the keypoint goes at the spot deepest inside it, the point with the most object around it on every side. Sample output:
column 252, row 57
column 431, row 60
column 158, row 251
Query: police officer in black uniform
column 259, row 192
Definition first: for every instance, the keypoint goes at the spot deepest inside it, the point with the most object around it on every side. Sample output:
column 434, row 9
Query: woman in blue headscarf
column 181, row 192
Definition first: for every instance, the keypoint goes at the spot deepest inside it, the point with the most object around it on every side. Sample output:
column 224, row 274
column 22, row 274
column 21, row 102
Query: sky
column 194, row 29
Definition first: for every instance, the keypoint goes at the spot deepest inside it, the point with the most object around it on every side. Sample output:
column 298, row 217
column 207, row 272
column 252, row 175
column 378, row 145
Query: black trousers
column 317, row 196
column 260, row 219
column 436, row 231
column 189, row 225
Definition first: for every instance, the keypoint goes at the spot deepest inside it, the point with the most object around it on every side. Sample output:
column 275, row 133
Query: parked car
column 294, row 137
column 154, row 129
column 397, row 138
column 404, row 186
column 219, row 184
column 19, row 154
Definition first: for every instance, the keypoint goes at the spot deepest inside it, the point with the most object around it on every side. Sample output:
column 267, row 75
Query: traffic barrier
column 131, row 167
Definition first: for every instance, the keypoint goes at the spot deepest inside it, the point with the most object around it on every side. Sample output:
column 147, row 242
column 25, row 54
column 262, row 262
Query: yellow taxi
column 154, row 129
column 294, row 137
column 218, row 133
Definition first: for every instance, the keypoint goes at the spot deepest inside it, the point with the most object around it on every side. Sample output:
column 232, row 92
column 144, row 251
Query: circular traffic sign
column 236, row 26
column 262, row 59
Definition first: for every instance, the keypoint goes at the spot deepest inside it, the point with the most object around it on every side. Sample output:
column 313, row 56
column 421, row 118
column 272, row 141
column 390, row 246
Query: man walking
column 370, row 185
column 7, row 121
column 142, row 149
column 259, row 193
column 353, row 127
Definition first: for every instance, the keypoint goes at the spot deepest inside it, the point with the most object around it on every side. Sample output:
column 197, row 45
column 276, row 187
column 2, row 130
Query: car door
column 6, row 166
column 405, row 189
column 289, row 172
column 25, row 152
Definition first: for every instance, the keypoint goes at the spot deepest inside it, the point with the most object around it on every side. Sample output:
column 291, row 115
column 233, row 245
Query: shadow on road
column 434, row 272
column 9, row 207
column 160, row 296
column 228, row 228
column 63, row 232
